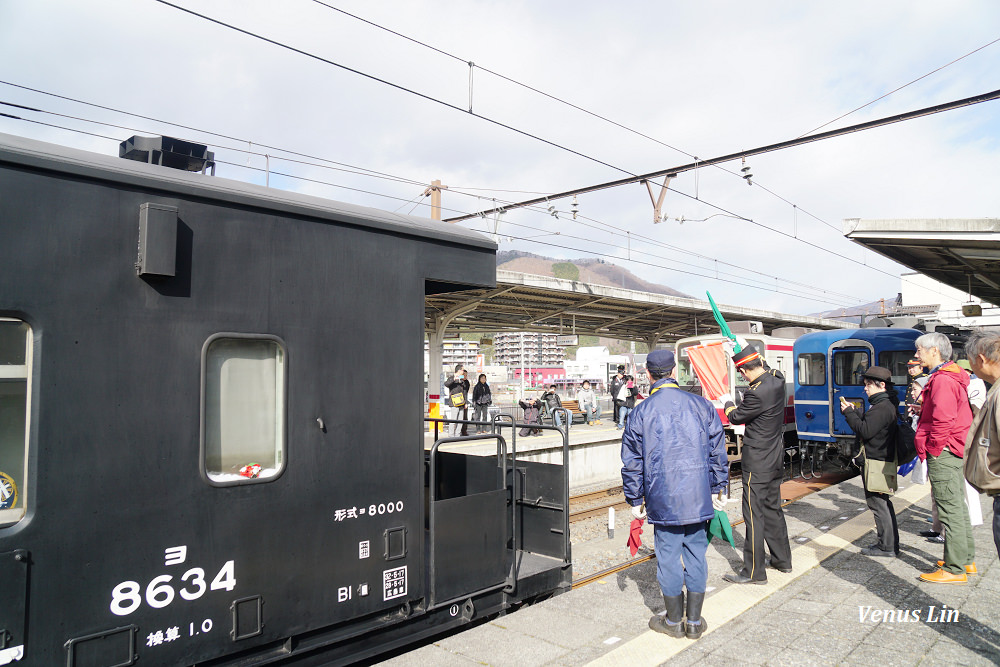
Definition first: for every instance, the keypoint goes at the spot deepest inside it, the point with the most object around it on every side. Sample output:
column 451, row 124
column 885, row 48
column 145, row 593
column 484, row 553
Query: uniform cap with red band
column 745, row 356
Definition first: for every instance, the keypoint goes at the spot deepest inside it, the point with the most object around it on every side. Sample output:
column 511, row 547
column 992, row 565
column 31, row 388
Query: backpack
column 906, row 449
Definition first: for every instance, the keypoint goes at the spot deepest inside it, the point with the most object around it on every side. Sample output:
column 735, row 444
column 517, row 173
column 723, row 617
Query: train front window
column 685, row 372
column 243, row 408
column 15, row 370
column 849, row 366
column 812, row 369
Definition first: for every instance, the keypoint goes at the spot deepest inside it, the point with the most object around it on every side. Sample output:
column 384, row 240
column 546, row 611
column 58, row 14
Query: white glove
column 729, row 346
column 639, row 511
column 727, row 398
column 719, row 501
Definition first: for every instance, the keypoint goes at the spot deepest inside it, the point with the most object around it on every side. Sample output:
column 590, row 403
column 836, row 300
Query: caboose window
column 243, row 408
column 812, row 369
column 15, row 367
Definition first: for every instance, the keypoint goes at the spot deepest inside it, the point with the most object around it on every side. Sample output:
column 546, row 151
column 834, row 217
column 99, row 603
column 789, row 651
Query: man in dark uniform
column 617, row 382
column 762, row 410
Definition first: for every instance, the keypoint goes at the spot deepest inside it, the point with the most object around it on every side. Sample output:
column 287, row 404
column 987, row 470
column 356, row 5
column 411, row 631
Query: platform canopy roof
column 524, row 302
column 961, row 253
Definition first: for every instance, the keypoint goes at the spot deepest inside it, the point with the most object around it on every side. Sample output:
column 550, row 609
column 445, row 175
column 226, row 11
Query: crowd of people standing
column 675, row 471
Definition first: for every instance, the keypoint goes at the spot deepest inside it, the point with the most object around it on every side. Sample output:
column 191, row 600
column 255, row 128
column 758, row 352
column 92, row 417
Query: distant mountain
column 593, row 271
column 854, row 313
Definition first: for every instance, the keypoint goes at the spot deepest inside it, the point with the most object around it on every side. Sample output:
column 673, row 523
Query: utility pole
column 435, row 194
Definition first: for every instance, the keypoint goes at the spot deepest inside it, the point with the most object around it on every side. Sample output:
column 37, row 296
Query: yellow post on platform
column 433, row 410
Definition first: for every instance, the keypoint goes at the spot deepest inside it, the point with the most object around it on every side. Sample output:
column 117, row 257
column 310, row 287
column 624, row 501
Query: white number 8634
column 125, row 597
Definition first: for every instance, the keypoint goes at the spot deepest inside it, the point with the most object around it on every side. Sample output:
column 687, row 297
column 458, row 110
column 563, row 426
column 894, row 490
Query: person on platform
column 588, row 404
column 552, row 401
column 458, row 399
column 983, row 350
column 532, row 408
column 675, row 472
column 876, row 431
column 945, row 417
column 627, row 395
column 614, row 388
column 482, row 398
column 762, row 411
column 918, row 378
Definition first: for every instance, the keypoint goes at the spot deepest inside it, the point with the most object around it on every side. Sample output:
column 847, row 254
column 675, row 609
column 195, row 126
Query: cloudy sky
column 677, row 78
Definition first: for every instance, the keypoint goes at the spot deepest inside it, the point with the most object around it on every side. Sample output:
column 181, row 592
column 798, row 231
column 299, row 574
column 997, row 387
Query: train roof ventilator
column 168, row 152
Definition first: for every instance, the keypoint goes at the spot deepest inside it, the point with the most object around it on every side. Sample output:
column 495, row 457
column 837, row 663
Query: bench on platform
column 575, row 413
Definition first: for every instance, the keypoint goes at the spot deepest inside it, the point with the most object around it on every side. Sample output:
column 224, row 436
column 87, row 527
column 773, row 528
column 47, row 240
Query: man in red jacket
column 945, row 417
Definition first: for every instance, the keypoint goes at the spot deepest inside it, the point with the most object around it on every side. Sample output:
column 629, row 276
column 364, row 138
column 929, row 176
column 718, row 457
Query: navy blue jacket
column 674, row 456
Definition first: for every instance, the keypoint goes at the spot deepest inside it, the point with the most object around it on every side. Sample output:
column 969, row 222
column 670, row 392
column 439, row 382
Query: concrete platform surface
column 834, row 608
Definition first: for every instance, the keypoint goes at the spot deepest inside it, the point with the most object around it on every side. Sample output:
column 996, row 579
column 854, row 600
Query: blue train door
column 849, row 359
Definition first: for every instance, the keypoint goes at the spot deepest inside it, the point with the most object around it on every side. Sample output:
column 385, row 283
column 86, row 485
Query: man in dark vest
column 762, row 410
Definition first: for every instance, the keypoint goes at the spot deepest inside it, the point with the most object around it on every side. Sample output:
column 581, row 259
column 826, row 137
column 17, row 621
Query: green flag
column 720, row 527
column 722, row 324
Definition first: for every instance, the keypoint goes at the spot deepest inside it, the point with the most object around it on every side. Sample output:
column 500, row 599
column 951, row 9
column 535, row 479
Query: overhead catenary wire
column 363, row 172
column 671, row 171
column 320, row 162
column 527, row 134
column 625, row 181
column 344, row 166
column 397, row 86
column 743, row 282
column 621, row 125
column 899, row 88
column 633, row 178
column 207, row 132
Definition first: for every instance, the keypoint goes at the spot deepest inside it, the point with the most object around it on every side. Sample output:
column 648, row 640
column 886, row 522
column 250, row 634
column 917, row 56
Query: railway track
column 595, row 503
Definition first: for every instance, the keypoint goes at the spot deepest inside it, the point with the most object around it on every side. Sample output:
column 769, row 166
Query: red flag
column 635, row 536
column 709, row 362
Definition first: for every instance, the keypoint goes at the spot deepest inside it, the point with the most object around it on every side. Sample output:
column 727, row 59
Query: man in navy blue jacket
column 674, row 459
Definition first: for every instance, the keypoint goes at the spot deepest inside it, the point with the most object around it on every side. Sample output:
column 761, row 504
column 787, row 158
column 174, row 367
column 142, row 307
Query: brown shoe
column 969, row 569
column 944, row 577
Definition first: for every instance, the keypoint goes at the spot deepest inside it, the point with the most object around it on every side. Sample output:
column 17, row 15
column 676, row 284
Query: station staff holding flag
column 762, row 410
column 674, row 459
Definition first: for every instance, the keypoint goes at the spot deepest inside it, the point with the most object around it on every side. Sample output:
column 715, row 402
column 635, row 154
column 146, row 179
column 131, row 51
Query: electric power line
column 527, row 134
column 388, row 177
column 896, row 90
column 397, row 86
column 742, row 282
column 621, row 125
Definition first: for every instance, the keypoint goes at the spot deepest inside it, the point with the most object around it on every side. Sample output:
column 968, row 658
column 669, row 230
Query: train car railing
column 564, row 552
column 456, row 592
column 551, row 494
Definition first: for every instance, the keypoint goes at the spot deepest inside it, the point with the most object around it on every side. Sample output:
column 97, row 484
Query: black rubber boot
column 694, row 602
column 675, row 614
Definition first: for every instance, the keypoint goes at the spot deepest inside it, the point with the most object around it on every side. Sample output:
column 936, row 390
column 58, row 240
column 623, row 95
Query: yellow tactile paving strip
column 652, row 648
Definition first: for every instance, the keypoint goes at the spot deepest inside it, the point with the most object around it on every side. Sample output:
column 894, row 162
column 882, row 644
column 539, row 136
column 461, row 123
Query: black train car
column 211, row 426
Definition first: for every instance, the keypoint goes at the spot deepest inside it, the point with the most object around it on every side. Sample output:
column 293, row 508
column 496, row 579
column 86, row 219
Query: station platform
column 831, row 609
column 595, row 451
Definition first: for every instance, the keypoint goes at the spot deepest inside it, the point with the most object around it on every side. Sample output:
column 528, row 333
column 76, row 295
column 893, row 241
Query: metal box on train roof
column 312, row 311
column 829, row 364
